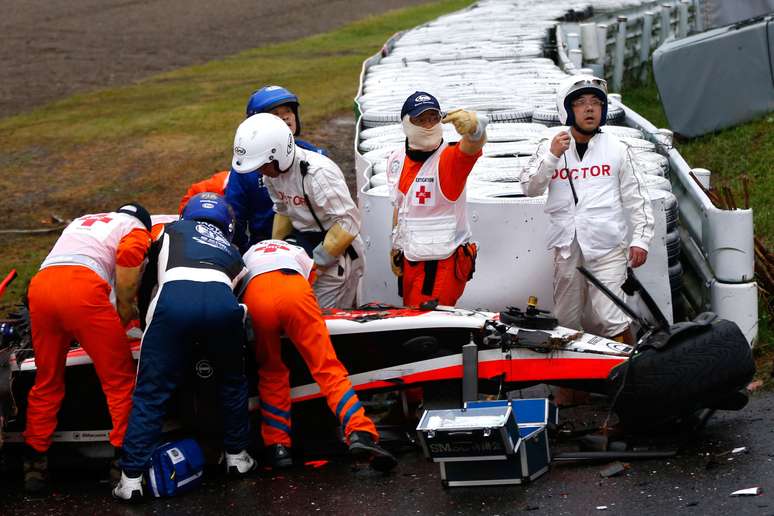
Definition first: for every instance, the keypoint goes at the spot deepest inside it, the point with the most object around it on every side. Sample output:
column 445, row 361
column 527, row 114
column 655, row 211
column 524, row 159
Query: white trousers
column 336, row 286
column 580, row 305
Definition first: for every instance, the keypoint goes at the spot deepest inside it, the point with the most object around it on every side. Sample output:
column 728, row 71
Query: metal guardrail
column 615, row 46
column 725, row 237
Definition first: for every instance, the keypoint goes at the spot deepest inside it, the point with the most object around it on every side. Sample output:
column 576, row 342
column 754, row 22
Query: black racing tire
column 510, row 115
column 673, row 247
column 700, row 369
column 670, row 208
column 615, row 115
column 547, row 116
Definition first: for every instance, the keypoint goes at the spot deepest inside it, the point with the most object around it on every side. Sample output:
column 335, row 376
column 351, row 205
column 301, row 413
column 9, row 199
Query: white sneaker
column 128, row 488
column 239, row 463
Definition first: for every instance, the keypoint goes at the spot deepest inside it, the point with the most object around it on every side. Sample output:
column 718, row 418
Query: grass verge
column 743, row 149
column 150, row 140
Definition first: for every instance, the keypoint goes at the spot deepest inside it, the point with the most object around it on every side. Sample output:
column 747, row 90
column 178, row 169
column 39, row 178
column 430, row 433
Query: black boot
column 363, row 447
column 35, row 472
column 279, row 456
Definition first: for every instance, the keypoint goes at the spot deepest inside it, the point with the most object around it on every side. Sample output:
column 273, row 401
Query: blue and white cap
column 419, row 102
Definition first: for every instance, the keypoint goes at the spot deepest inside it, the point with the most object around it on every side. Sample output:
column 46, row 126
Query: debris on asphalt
column 755, row 385
column 601, row 507
column 750, row 491
column 741, row 449
column 613, row 469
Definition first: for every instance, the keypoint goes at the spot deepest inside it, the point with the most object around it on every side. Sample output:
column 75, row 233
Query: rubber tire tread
column 663, row 386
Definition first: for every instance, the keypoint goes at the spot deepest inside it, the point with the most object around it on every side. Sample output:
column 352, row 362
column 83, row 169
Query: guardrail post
column 666, row 24
column 602, row 45
column 682, row 25
column 588, row 38
column 647, row 30
column 576, row 57
column 703, row 175
column 620, row 50
column 573, row 41
column 698, row 16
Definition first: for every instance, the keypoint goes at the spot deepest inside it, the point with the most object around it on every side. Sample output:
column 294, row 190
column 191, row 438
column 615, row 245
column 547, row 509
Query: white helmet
column 574, row 86
column 261, row 139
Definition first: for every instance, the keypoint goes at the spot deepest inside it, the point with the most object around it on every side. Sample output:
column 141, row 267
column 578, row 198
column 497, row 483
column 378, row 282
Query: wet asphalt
column 699, row 480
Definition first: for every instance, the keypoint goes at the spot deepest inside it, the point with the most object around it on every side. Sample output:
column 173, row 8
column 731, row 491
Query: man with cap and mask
column 85, row 291
column 594, row 190
column 431, row 250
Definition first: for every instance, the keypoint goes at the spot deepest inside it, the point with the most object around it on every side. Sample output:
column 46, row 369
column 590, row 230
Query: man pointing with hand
column 431, row 248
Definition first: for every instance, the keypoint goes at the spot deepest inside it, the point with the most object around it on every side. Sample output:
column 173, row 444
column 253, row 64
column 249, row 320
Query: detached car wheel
column 699, row 368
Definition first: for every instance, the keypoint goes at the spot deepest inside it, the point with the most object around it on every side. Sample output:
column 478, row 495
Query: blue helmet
column 213, row 208
column 269, row 97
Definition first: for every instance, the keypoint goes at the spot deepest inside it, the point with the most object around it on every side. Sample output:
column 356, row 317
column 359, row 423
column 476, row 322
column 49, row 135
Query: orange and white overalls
column 280, row 299
column 71, row 299
column 216, row 184
column 432, row 227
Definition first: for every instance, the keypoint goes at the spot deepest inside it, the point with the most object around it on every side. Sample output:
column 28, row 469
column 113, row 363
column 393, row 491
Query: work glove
column 396, row 262
column 467, row 123
column 336, row 241
column 281, row 227
column 322, row 258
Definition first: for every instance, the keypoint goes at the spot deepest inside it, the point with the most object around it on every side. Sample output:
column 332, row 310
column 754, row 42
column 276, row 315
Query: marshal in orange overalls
column 70, row 300
column 280, row 299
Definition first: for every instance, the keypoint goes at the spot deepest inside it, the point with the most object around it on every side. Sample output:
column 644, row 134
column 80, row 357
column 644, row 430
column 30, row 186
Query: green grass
column 207, row 101
column 743, row 149
column 150, row 140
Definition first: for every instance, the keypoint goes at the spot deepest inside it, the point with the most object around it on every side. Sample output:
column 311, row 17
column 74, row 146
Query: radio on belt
column 489, row 442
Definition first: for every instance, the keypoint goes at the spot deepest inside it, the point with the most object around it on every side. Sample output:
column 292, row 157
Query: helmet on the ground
column 261, row 139
column 137, row 211
column 213, row 208
column 573, row 87
column 269, row 97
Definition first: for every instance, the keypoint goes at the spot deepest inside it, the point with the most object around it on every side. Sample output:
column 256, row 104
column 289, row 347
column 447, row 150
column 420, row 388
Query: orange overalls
column 72, row 303
column 283, row 301
column 215, row 184
column 449, row 282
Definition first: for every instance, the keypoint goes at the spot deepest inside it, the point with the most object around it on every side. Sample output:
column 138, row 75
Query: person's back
column 93, row 241
column 195, row 268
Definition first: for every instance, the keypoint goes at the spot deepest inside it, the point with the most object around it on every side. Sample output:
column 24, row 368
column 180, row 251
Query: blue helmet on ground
column 213, row 208
column 270, row 97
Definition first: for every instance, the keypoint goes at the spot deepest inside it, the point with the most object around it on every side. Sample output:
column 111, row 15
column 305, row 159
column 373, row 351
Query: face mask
column 420, row 138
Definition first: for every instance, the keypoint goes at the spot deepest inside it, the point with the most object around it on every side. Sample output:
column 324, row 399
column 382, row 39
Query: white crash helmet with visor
column 573, row 87
column 261, row 139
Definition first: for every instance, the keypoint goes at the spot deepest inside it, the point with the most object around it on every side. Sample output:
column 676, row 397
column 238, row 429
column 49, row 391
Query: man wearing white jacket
column 312, row 204
column 594, row 190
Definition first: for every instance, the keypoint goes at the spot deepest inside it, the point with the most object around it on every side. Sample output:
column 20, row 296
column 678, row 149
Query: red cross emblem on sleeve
column 423, row 194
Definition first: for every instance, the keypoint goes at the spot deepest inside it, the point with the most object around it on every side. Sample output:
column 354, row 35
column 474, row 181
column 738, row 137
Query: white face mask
column 420, row 138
